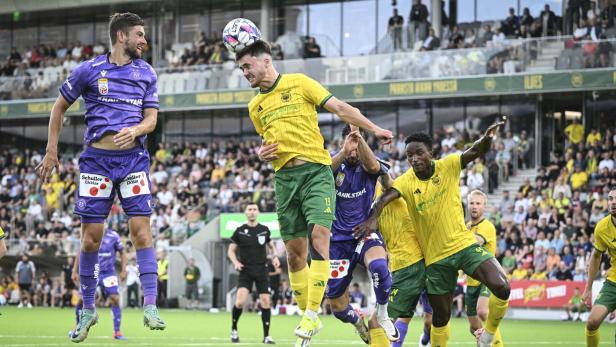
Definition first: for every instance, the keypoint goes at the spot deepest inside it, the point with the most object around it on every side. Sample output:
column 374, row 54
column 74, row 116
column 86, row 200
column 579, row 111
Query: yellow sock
column 439, row 336
column 378, row 338
column 498, row 308
column 592, row 338
column 317, row 281
column 498, row 339
column 299, row 285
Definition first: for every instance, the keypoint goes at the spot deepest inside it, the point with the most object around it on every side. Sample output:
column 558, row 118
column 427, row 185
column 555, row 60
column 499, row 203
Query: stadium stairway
column 512, row 185
column 546, row 57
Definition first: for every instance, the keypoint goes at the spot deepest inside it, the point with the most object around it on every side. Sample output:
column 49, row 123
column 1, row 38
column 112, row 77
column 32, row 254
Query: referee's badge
column 339, row 179
column 103, row 86
column 261, row 239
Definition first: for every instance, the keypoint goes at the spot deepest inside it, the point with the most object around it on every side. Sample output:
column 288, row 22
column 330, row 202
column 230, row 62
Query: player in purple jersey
column 119, row 90
column 111, row 245
column 356, row 170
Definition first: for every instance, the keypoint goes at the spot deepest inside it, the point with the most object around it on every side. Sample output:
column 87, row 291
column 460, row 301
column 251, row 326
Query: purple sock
column 402, row 328
column 347, row 315
column 117, row 317
column 425, row 337
column 88, row 275
column 381, row 280
column 148, row 274
column 78, row 308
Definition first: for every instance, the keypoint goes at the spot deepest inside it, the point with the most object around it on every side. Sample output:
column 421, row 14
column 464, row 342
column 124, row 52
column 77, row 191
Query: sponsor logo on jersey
column 93, row 186
column 338, row 268
column 135, row 184
column 103, row 86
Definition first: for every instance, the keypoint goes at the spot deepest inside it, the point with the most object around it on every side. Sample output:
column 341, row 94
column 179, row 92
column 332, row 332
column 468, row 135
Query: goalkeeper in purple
column 356, row 170
column 108, row 279
column 121, row 101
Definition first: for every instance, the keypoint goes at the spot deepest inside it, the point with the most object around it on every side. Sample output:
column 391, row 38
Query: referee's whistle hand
column 238, row 266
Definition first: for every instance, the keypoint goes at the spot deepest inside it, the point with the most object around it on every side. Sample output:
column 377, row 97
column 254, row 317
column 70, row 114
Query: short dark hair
column 419, row 137
column 254, row 50
column 122, row 21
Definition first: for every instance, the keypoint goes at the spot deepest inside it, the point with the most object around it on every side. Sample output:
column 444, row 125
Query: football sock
column 299, row 285
column 439, row 336
column 381, row 280
column 592, row 338
column 266, row 313
column 318, row 275
column 498, row 308
column 88, row 275
column 402, row 328
column 237, row 312
column 378, row 338
column 117, row 317
column 347, row 315
column 148, row 270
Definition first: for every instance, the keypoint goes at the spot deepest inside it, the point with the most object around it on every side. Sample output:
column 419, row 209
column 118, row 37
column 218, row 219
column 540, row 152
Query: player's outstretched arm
column 352, row 116
column 593, row 269
column 369, row 225
column 366, row 156
column 50, row 161
column 482, row 146
column 127, row 136
column 350, row 144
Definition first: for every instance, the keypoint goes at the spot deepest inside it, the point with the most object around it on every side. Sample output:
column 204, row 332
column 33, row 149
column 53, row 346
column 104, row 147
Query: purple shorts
column 423, row 299
column 108, row 283
column 103, row 174
column 343, row 257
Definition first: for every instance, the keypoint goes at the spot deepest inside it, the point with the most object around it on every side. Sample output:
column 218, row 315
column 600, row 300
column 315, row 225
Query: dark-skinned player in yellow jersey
column 431, row 191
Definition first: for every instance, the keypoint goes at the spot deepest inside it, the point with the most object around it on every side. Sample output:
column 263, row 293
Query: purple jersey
column 110, row 244
column 114, row 96
column 354, row 194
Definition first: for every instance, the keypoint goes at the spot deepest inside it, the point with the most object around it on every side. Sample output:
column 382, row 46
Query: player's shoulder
column 144, row 66
column 90, row 65
column 604, row 224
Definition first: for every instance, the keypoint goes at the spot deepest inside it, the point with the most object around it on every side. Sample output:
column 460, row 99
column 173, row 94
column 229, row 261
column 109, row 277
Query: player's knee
column 502, row 290
column 318, row 242
column 141, row 240
column 440, row 319
column 265, row 301
column 114, row 300
column 593, row 323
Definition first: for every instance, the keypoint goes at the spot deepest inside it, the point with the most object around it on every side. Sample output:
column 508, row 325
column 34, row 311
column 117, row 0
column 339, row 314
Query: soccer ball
column 239, row 34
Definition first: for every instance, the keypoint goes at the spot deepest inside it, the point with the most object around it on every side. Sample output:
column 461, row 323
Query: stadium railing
column 510, row 56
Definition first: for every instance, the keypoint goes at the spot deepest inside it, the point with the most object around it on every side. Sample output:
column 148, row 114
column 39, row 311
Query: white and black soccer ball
column 240, row 33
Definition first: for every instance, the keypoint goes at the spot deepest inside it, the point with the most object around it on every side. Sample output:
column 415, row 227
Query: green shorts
column 442, row 276
column 607, row 296
column 305, row 195
column 406, row 287
column 472, row 296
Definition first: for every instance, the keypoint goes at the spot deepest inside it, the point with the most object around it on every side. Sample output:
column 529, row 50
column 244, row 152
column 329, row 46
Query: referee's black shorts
column 258, row 275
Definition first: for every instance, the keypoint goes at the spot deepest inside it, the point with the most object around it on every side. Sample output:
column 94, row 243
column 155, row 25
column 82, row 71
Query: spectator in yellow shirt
column 593, row 137
column 578, row 179
column 539, row 276
column 592, row 163
column 575, row 132
column 218, row 174
column 520, row 273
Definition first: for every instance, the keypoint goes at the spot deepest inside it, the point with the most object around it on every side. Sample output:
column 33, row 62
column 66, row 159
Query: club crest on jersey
column 339, row 179
column 436, row 180
column 103, row 86
column 261, row 239
column 285, row 96
column 338, row 268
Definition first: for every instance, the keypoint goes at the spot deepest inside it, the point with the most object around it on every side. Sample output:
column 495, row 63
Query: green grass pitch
column 49, row 327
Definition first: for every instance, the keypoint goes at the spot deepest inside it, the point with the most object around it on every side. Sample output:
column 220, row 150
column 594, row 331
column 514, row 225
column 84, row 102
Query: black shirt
column 251, row 242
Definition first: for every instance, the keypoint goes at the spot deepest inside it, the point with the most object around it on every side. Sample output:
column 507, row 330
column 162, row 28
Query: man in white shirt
column 160, row 176
column 165, row 197
column 132, row 282
column 606, row 162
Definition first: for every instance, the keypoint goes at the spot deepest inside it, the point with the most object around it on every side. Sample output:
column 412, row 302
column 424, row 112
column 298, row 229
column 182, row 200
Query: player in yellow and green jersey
column 431, row 191
column 405, row 261
column 605, row 241
column 284, row 115
column 477, row 294
column 2, row 244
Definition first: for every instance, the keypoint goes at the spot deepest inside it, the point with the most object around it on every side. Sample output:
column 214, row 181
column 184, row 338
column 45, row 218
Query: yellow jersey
column 605, row 240
column 578, row 179
column 286, row 114
column 486, row 230
column 2, row 234
column 575, row 132
column 591, row 138
column 397, row 230
column 435, row 208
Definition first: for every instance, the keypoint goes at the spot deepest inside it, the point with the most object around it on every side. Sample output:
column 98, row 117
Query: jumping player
column 606, row 300
column 432, row 195
column 119, row 90
column 284, row 115
column 356, row 170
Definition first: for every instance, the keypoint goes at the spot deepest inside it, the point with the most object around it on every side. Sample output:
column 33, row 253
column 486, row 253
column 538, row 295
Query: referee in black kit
column 252, row 239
